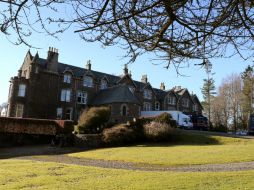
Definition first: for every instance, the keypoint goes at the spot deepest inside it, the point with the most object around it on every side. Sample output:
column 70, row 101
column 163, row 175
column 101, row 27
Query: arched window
column 124, row 110
column 157, row 105
column 88, row 81
column 147, row 106
column 67, row 78
column 104, row 84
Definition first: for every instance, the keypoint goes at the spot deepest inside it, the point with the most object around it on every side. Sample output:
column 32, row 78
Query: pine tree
column 247, row 93
column 208, row 91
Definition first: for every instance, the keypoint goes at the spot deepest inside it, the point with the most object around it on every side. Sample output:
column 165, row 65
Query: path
column 64, row 159
column 59, row 155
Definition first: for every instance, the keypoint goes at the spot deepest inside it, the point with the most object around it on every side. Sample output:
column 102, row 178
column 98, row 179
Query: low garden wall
column 35, row 126
column 19, row 131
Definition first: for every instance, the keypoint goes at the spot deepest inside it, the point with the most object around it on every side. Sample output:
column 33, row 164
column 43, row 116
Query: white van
column 182, row 120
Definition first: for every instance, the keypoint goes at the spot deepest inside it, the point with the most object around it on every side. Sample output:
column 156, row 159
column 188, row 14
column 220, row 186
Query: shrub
column 156, row 131
column 118, row 135
column 163, row 118
column 93, row 120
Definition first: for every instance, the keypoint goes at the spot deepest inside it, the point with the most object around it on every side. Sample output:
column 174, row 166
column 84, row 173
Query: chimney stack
column 144, row 79
column 162, row 87
column 89, row 65
column 130, row 74
column 52, row 59
column 125, row 70
column 178, row 88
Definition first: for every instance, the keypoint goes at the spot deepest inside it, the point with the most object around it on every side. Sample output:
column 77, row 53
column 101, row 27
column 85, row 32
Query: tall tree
column 208, row 90
column 179, row 29
column 247, row 93
column 233, row 89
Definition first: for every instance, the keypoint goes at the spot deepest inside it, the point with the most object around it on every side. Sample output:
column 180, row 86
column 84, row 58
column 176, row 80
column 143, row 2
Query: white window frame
column 104, row 84
column 88, row 81
column 147, row 94
column 59, row 113
column 81, row 97
column 147, row 106
column 19, row 110
column 66, row 95
column 172, row 100
column 22, row 90
column 67, row 78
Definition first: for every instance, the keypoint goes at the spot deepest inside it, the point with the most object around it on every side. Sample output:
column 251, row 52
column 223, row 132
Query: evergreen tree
column 208, row 91
column 247, row 93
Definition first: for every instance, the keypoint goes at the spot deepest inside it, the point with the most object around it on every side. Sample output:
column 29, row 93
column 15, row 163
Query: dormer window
column 67, row 78
column 171, row 100
column 185, row 102
column 88, row 81
column 147, row 94
column 104, row 84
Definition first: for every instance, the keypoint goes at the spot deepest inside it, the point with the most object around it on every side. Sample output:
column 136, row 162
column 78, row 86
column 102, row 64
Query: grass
column 21, row 174
column 193, row 149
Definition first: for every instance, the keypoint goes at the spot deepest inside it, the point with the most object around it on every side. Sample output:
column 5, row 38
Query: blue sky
column 74, row 51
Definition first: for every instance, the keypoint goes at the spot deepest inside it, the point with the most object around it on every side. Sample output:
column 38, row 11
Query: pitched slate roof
column 115, row 94
column 113, row 80
column 194, row 97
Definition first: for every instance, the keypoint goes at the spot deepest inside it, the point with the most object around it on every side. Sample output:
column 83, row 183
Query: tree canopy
column 175, row 29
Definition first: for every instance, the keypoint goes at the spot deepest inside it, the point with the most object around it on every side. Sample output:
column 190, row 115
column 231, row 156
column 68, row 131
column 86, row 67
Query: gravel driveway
column 58, row 155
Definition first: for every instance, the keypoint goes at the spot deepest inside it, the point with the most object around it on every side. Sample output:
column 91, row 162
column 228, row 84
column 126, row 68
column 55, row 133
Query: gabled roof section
column 28, row 58
column 68, row 70
column 115, row 94
column 171, row 91
column 181, row 92
column 128, row 77
column 160, row 94
column 195, row 99
column 36, row 58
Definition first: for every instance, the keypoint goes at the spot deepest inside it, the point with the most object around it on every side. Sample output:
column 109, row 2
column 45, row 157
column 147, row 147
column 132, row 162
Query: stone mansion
column 48, row 89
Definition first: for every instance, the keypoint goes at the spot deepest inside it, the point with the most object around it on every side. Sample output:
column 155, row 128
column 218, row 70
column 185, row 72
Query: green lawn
column 20, row 174
column 195, row 149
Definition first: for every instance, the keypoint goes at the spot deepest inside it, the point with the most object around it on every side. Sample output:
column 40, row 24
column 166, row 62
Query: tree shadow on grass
column 36, row 150
column 182, row 137
column 178, row 137
column 13, row 146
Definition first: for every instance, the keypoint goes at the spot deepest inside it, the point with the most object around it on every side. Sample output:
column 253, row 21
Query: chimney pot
column 144, row 79
column 162, row 87
column 125, row 70
column 88, row 65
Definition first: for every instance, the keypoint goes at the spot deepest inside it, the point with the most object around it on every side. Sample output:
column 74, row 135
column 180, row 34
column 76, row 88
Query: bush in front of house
column 163, row 118
column 119, row 134
column 93, row 120
column 157, row 131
